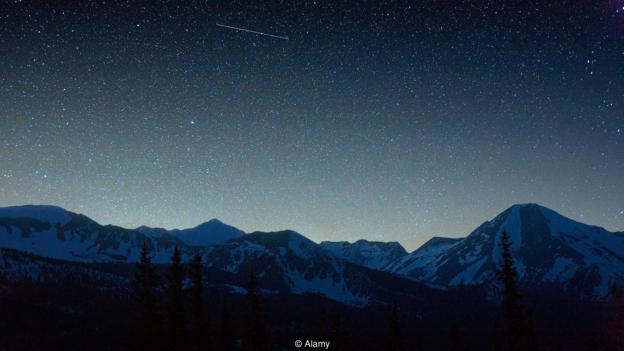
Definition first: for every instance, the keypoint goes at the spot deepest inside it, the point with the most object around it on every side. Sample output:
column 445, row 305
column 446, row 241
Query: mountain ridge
column 552, row 252
column 371, row 254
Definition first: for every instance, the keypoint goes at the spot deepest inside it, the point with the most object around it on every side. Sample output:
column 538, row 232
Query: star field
column 382, row 120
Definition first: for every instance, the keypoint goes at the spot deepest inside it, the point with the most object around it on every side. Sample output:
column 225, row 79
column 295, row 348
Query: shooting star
column 253, row 31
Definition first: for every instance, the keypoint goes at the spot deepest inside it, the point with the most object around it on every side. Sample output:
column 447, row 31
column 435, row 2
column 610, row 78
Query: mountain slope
column 53, row 232
column 17, row 266
column 371, row 254
column 285, row 262
column 288, row 262
column 553, row 254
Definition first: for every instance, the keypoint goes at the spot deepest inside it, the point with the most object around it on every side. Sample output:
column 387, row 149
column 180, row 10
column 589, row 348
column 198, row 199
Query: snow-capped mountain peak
column 551, row 252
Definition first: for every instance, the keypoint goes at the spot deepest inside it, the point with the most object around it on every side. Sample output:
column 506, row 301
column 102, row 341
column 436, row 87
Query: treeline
column 170, row 314
column 169, row 311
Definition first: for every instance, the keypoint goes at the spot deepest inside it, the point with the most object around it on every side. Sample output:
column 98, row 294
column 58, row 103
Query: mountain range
column 54, row 232
column 554, row 255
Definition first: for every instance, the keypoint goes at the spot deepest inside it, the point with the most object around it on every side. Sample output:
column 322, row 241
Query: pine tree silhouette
column 175, row 302
column 256, row 338
column 518, row 329
column 395, row 337
column 145, row 306
column 200, row 335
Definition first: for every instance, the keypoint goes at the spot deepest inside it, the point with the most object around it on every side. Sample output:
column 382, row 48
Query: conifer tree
column 395, row 337
column 518, row 329
column 200, row 336
column 256, row 338
column 175, row 302
column 145, row 307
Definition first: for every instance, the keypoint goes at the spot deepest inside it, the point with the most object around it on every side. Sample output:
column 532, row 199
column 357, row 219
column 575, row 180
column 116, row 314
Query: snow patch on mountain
column 562, row 270
column 468, row 274
column 371, row 254
column 331, row 286
column 290, row 261
column 423, row 257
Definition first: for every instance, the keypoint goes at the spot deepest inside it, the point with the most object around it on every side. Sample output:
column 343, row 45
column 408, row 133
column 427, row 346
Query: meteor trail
column 252, row 31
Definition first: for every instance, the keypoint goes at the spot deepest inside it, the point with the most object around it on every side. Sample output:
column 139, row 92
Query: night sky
column 380, row 120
